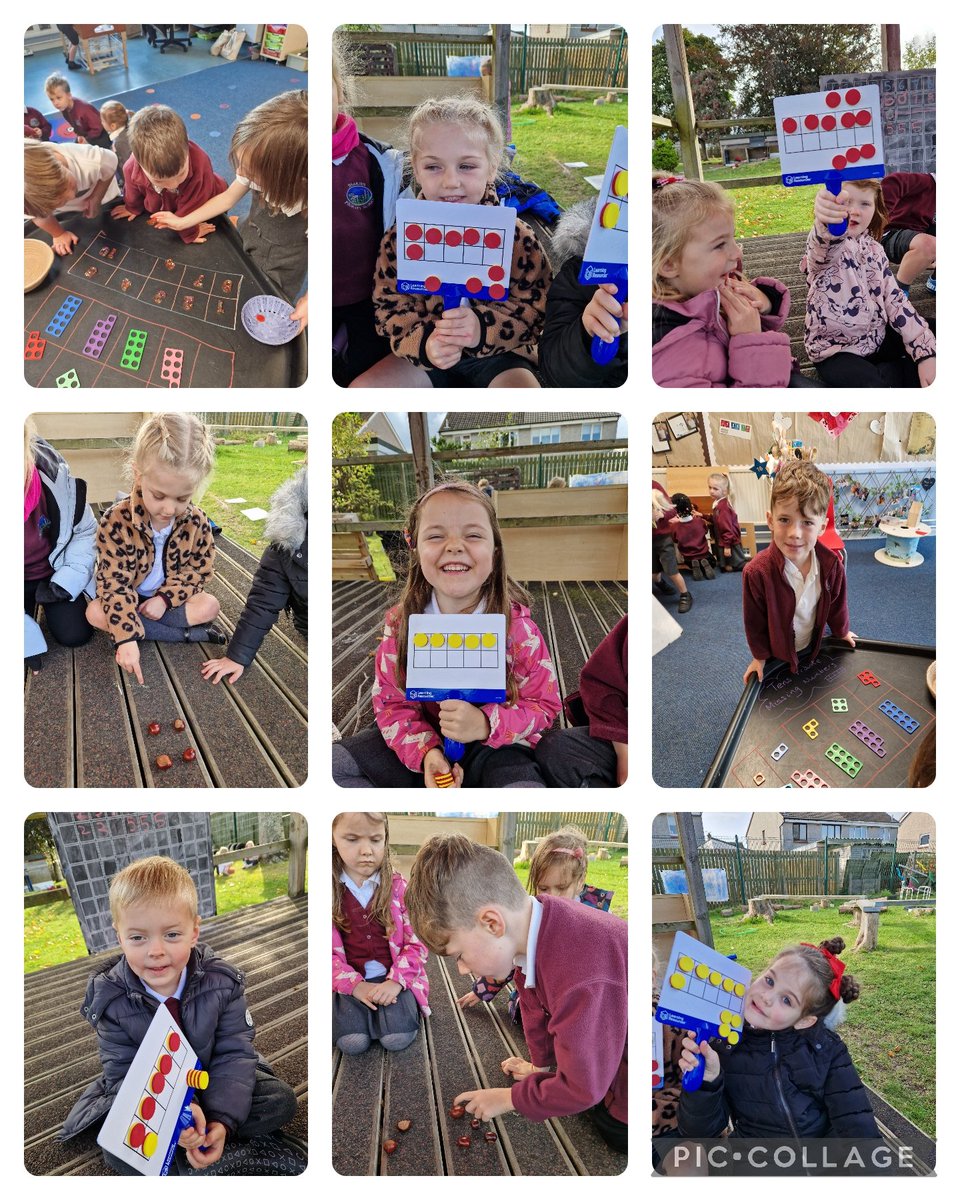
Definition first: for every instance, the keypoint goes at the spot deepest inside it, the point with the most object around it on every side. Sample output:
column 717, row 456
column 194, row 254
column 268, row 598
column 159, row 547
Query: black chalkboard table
column 830, row 693
column 186, row 299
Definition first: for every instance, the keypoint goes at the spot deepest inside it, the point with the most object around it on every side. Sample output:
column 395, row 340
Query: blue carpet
column 220, row 95
column 698, row 679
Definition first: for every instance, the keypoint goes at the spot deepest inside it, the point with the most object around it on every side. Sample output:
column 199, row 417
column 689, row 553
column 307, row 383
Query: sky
column 726, row 824
column 908, row 31
column 402, row 427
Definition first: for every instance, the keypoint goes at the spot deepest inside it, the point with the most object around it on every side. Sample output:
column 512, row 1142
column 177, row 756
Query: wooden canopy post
column 890, row 48
column 683, row 101
column 687, row 830
column 501, row 75
column 297, row 868
column 422, row 458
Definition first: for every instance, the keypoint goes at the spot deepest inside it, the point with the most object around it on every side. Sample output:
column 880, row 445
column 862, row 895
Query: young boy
column 795, row 587
column 66, row 178
column 153, row 902
column 910, row 237
column 466, row 900
column 166, row 172
column 82, row 116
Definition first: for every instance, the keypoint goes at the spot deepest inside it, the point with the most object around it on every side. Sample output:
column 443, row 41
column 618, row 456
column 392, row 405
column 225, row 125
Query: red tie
column 173, row 1005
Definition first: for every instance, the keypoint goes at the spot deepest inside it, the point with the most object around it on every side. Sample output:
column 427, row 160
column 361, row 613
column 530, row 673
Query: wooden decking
column 85, row 720
column 454, row 1052
column 268, row 942
column 573, row 618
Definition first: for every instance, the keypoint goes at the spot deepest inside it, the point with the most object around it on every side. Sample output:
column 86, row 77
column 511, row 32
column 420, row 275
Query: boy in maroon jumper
column 795, row 587
column 83, row 117
column 166, row 171
column 690, row 533
column 910, row 237
column 466, row 900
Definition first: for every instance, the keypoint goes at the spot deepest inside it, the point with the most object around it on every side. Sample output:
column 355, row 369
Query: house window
column 799, row 831
column 831, row 831
column 924, row 839
column 671, row 824
column 545, row 436
column 590, row 431
column 857, row 831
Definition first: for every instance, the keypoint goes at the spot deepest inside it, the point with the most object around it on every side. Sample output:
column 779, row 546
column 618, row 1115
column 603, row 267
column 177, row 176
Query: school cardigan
column 691, row 537
column 769, row 604
column 201, row 184
column 575, row 1015
column 726, row 523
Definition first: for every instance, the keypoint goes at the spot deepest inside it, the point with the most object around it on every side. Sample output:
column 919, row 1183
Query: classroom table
column 892, row 714
column 186, row 298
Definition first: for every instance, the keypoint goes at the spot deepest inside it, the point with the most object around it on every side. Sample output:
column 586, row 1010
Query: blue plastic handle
column 454, row 751
column 603, row 352
column 834, row 185
column 693, row 1078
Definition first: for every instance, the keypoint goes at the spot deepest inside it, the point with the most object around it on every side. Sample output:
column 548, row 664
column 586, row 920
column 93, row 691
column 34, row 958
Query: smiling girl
column 457, row 565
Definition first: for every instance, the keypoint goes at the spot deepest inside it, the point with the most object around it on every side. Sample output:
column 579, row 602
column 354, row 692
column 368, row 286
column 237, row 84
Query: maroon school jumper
column 911, row 200
column 726, row 523
column 84, row 118
column 603, row 686
column 691, row 537
column 366, row 940
column 769, row 605
column 201, row 184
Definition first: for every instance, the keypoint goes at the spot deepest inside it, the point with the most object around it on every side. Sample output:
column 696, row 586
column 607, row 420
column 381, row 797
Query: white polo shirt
column 807, row 592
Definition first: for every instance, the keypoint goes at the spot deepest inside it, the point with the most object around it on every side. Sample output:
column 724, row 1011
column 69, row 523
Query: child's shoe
column 695, row 569
column 932, row 284
column 686, row 603
column 707, row 569
column 665, row 588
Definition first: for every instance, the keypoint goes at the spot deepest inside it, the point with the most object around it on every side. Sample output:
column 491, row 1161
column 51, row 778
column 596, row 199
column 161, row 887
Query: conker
column 390, row 1145
column 164, row 762
column 189, row 754
column 404, row 1124
column 475, row 1123
column 179, row 724
column 457, row 1111
column 464, row 1142
column 153, row 728
column 490, row 1136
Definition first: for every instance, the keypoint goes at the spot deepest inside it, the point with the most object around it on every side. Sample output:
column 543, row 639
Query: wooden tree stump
column 538, row 97
column 760, row 908
column 869, row 929
column 848, row 908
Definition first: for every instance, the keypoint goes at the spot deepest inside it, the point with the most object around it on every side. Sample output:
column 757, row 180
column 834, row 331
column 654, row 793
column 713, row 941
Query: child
column 153, row 903
column 726, row 523
column 861, row 330
column 166, row 171
column 280, row 582
column 62, row 179
column 367, row 180
column 664, row 550
column 558, row 868
column 457, row 566
column 790, row 1076
column 690, row 533
column 114, row 117
column 83, row 117
column 666, row 1099
column 35, row 124
column 592, row 750
column 910, row 237
column 269, row 153
column 795, row 587
column 155, row 547
column 465, row 900
column 379, row 963
column 711, row 328
column 58, row 552
column 456, row 149
column 578, row 312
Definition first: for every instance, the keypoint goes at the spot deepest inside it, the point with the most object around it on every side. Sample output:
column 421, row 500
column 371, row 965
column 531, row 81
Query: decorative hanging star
column 759, row 468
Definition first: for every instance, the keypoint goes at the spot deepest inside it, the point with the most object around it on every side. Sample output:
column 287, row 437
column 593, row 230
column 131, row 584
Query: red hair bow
column 663, row 180
column 836, row 966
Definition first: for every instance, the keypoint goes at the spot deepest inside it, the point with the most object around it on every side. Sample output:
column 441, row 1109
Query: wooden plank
column 414, row 831
column 102, row 469
column 297, row 869
column 378, row 91
column 546, row 553
column 557, row 502
column 667, row 909
column 48, row 706
column 71, row 426
column 108, row 751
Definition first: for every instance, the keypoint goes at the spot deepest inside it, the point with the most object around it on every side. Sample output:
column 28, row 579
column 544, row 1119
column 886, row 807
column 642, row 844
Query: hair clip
column 663, row 180
column 406, row 538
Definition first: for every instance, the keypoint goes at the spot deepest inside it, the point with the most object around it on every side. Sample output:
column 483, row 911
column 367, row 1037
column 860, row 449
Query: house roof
column 846, row 818
column 456, row 421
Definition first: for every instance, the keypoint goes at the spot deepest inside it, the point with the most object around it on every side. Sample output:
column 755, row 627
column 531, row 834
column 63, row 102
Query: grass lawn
column 578, row 132
column 51, row 933
column 891, row 1029
column 254, row 472
column 766, row 210
column 606, row 874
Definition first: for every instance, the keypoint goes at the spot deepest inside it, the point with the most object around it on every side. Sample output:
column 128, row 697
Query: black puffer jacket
column 281, row 579
column 214, row 1016
column 795, row 1083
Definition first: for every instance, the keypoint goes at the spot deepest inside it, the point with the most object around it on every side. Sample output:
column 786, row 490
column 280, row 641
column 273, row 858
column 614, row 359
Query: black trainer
column 695, row 569
column 665, row 588
column 686, row 603
column 707, row 569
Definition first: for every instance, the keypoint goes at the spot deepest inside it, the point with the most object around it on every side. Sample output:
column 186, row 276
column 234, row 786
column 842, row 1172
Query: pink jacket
column 410, row 728
column 852, row 298
column 699, row 352
column 409, row 954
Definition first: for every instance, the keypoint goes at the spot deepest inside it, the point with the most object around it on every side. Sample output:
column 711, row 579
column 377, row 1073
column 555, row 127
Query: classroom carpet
column 698, row 679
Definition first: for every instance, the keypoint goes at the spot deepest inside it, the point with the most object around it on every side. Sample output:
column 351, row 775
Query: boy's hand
column 192, row 1137
column 519, row 1068
column 463, row 722
column 434, row 763
column 740, row 315
column 486, row 1103
column 385, row 991
column 468, row 1000
column 459, row 327
column 168, row 220
column 829, row 209
column 362, row 992
column 215, row 669
column 743, row 287
column 120, row 210
column 599, row 318
column 711, row 1061
column 211, row 1149
column 128, row 657
column 756, row 665
column 205, row 227
column 927, row 370
column 442, row 354
column 62, row 243
column 154, row 608
column 851, row 639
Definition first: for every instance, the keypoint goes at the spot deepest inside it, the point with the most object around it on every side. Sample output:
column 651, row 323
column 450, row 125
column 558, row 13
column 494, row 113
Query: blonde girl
column 155, row 546
column 726, row 523
column 456, row 151
column 379, row 964
column 457, row 565
column 268, row 151
column 711, row 327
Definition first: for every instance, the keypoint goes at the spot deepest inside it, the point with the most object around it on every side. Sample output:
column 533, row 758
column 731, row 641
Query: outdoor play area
column 857, row 707
column 859, row 887
column 440, row 1101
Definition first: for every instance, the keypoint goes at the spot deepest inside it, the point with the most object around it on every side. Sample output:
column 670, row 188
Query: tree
column 37, row 839
column 920, row 52
column 353, row 489
column 711, row 78
column 665, row 157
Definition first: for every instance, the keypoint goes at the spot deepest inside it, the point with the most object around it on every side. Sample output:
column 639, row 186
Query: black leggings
column 888, row 367
column 66, row 620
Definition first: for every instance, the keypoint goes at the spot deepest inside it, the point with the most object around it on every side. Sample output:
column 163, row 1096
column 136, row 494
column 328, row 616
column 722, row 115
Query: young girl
column 665, row 552
column 379, row 963
column 666, row 1097
column 790, row 1075
column 268, row 151
column 690, row 534
column 726, row 523
column 456, row 149
column 155, row 547
column 861, row 330
column 66, row 178
column 711, row 328
column 58, row 551
column 457, row 565
column 367, row 180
